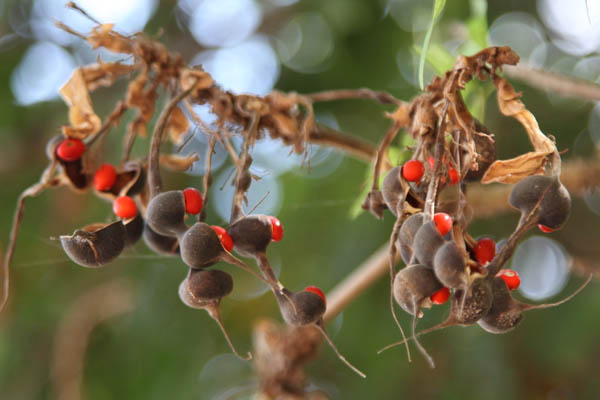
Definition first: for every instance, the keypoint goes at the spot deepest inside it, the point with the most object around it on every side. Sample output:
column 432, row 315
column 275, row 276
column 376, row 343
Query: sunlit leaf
column 438, row 7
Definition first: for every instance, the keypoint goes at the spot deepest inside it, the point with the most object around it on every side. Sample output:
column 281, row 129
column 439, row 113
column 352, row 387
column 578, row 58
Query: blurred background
column 125, row 322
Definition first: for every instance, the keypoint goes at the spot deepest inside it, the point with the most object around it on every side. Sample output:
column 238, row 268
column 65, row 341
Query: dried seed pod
column 426, row 243
column 251, row 235
column 407, row 234
column 553, row 198
column 506, row 312
column 165, row 213
column 485, row 148
column 133, row 229
column 130, row 181
column 305, row 308
column 72, row 170
column 413, row 287
column 166, row 245
column 95, row 245
column 449, row 266
column 203, row 290
column 391, row 189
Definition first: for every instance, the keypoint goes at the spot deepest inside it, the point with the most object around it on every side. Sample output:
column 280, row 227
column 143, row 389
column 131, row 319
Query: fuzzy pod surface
column 95, row 245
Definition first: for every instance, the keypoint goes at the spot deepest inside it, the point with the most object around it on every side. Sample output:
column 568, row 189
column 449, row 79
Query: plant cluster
column 426, row 194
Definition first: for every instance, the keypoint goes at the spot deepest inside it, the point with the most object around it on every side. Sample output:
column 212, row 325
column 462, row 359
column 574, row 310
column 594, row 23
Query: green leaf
column 477, row 23
column 438, row 7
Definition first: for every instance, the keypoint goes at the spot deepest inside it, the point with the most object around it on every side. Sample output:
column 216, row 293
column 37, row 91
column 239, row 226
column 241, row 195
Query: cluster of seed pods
column 165, row 231
column 439, row 266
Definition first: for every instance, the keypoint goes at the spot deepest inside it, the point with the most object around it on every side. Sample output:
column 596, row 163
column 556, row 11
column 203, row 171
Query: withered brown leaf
column 82, row 117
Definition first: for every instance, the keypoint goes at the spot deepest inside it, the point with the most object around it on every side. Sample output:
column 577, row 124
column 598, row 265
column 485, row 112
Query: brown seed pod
column 391, row 189
column 73, row 173
column 166, row 212
column 166, row 245
column 133, row 230
column 95, row 245
column 203, row 290
column 251, row 235
column 507, row 312
column 305, row 308
column 426, row 243
column 553, row 198
column 449, row 266
column 406, row 236
column 485, row 148
column 131, row 180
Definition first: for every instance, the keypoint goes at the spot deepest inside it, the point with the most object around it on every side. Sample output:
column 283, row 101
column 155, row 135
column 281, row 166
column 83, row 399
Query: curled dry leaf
column 178, row 163
column 177, row 125
column 82, row 117
column 104, row 36
column 196, row 77
column 515, row 169
column 104, row 74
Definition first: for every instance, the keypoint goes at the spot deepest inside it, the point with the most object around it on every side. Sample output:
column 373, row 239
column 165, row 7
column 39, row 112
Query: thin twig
column 207, row 180
column 437, row 167
column 154, row 180
column 362, row 93
column 555, row 82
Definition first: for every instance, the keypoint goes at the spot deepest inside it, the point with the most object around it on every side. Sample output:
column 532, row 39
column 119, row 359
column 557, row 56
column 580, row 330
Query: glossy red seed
column 316, row 291
column 545, row 229
column 511, row 277
column 441, row 296
column 443, row 222
column 413, row 170
column 224, row 237
column 124, row 207
column 453, row 175
column 276, row 229
column 193, row 201
column 105, row 177
column 70, row 149
column 485, row 250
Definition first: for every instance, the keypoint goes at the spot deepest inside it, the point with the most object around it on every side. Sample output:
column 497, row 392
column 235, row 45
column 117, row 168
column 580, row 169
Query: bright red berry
column 485, row 250
column 453, row 175
column 105, row 177
column 511, row 278
column 124, row 207
column 316, row 291
column 441, row 296
column 443, row 222
column 276, row 229
column 545, row 229
column 413, row 170
column 70, row 149
column 224, row 237
column 193, row 201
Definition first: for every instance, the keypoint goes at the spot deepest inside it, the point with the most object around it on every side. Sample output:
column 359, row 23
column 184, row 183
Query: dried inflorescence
column 436, row 247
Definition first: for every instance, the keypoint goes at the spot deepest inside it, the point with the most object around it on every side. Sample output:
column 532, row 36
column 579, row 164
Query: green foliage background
column 161, row 349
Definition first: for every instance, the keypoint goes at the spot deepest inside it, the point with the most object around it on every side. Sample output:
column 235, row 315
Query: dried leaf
column 104, row 36
column 195, row 76
column 177, row 125
column 104, row 74
column 82, row 117
column 178, row 163
column 513, row 170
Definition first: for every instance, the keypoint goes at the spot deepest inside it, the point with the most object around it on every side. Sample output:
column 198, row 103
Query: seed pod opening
column 503, row 316
column 475, row 306
column 95, row 245
column 133, row 230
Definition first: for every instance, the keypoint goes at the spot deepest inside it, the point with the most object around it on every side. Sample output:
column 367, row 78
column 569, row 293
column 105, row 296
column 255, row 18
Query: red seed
column 124, row 207
column 105, row 177
column 413, row 170
column 545, row 229
column 485, row 250
column 453, row 175
column 224, row 237
column 441, row 296
column 70, row 149
column 511, row 278
column 193, row 201
column 443, row 222
column 276, row 229
column 316, row 291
